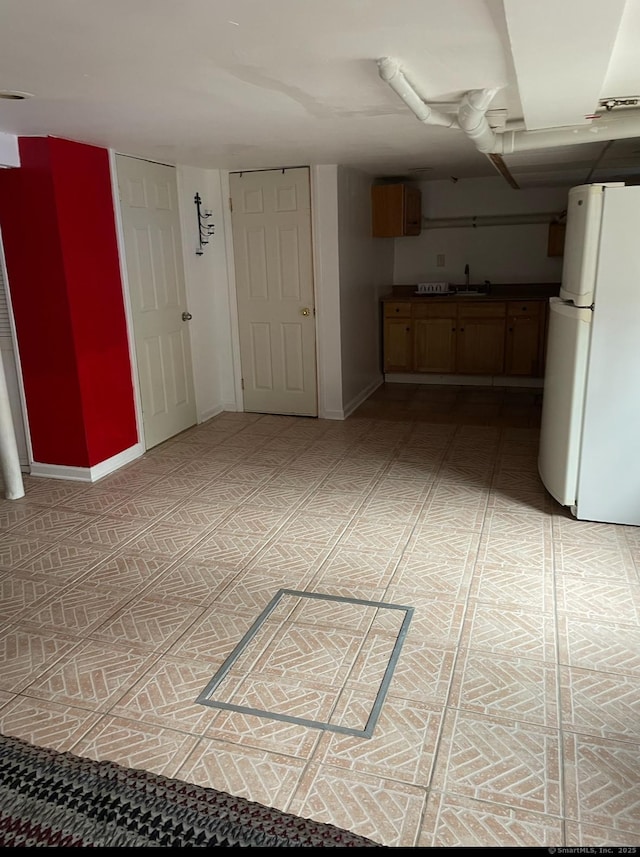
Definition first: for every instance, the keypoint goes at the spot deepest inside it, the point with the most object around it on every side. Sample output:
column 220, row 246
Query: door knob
column 186, row 316
column 305, row 311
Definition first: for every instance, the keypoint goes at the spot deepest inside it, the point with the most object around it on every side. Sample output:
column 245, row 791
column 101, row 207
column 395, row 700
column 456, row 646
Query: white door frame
column 126, row 293
column 324, row 270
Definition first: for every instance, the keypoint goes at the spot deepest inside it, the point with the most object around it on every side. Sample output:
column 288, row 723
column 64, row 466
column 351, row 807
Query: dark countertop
column 498, row 292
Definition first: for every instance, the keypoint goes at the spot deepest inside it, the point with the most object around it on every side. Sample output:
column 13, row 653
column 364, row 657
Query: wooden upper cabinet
column 396, row 210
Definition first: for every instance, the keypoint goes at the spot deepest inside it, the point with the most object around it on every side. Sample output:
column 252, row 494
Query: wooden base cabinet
column 480, row 339
column 525, row 338
column 465, row 337
column 398, row 339
column 434, row 337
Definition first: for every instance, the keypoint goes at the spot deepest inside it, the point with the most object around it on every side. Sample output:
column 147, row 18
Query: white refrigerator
column 589, row 454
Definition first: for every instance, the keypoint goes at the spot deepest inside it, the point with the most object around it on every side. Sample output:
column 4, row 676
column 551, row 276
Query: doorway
column 272, row 246
column 153, row 252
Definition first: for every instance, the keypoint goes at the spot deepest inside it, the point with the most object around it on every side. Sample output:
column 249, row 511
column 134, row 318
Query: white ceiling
column 254, row 84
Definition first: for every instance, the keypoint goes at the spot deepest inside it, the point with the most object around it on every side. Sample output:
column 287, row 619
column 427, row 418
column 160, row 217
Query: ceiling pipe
column 391, row 72
column 472, row 119
column 602, row 129
column 489, row 220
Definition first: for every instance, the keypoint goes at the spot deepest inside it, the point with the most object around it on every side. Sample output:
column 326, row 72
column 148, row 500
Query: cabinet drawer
column 397, row 309
column 530, row 308
column 434, row 309
column 476, row 309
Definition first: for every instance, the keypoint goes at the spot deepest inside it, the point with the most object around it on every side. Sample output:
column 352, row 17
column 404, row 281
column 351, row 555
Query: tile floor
column 512, row 717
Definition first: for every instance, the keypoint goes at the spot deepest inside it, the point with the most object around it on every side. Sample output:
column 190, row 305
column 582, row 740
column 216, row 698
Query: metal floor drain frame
column 204, row 698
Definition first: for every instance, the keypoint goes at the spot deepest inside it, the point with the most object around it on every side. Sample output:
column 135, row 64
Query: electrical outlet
column 440, row 260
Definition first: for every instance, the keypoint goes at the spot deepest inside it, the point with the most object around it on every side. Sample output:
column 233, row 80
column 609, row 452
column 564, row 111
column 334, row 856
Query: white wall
column 366, row 272
column 207, row 287
column 501, row 254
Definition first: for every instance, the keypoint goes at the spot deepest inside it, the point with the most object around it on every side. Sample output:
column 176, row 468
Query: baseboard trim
column 212, row 412
column 362, row 397
column 87, row 474
column 463, row 380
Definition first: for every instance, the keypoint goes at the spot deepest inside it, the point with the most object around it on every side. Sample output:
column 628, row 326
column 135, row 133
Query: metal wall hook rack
column 205, row 229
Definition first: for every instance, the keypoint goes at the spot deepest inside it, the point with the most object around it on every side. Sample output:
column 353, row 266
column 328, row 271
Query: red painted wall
column 58, row 227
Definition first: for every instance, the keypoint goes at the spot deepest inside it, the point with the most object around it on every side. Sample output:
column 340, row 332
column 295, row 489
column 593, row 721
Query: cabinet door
column 412, row 210
column 480, row 346
column 434, row 344
column 397, row 345
column 523, row 346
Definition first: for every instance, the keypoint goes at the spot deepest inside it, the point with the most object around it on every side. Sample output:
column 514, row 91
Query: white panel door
column 271, row 220
column 153, row 250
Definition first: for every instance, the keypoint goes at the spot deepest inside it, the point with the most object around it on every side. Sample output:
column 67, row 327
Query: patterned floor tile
column 148, row 623
column 18, row 551
column 342, row 503
column 251, row 590
column 520, row 633
column 78, row 609
column 126, row 572
column 588, row 835
column 21, row 593
column 269, row 778
column 451, row 545
column 162, row 539
column 97, row 500
column 432, row 575
column 214, row 635
column 187, row 582
column 66, row 563
column 312, row 701
column 403, row 743
column 508, row 687
column 376, row 534
column 136, row 745
column 504, row 550
column 310, row 528
column 108, row 531
column 503, row 524
column 436, row 621
column 46, row 723
column 328, row 614
column 146, row 506
column 421, row 673
column 600, row 704
column 26, row 653
column 311, row 653
column 14, row 513
column 458, row 822
column 384, row 810
column 197, row 514
column 261, row 521
column 166, row 696
column 500, row 761
column 351, row 567
column 512, row 586
column 602, row 782
column 229, row 550
column 283, row 557
column 468, row 518
column 92, row 676
column 590, row 560
column 598, row 598
column 601, row 646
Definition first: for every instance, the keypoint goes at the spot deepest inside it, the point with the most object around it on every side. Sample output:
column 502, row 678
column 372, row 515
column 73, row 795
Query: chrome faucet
column 466, row 275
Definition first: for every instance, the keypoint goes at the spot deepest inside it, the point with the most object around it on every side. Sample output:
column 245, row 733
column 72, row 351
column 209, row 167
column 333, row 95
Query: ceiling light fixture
column 13, row 95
